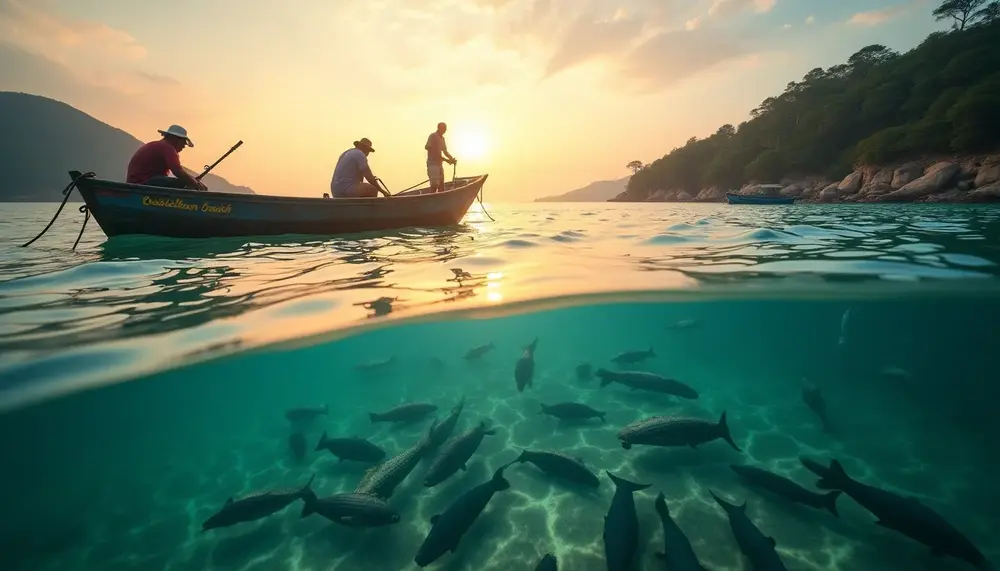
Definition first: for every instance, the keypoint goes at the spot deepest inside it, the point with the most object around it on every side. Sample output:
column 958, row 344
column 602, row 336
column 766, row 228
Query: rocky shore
column 955, row 179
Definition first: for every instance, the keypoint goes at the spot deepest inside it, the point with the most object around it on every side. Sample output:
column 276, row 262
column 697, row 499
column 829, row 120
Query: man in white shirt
column 352, row 167
column 436, row 147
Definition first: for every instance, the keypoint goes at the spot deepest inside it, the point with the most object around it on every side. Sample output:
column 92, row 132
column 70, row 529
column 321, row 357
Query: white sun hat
column 178, row 131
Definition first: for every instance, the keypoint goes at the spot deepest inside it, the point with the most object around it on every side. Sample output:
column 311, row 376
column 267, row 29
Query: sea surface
column 144, row 382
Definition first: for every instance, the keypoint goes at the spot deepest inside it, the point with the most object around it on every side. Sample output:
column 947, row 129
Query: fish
column 787, row 489
column 683, row 324
column 254, row 506
column 904, row 514
column 758, row 548
column 455, row 453
column 813, row 398
column 409, row 412
column 561, row 466
column 844, row 320
column 381, row 481
column 621, row 526
column 632, row 357
column 297, row 444
column 637, row 380
column 584, row 371
column 548, row 563
column 571, row 411
column 352, row 510
column 354, row 448
column 477, row 352
column 448, row 527
column 305, row 413
column 443, row 430
column 675, row 431
column 524, row 370
column 375, row 364
column 677, row 554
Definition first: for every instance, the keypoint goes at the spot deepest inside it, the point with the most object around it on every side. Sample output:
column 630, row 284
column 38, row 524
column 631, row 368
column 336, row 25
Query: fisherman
column 351, row 167
column 152, row 161
column 436, row 147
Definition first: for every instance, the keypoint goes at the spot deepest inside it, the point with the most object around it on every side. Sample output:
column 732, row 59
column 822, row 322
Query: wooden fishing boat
column 758, row 199
column 122, row 208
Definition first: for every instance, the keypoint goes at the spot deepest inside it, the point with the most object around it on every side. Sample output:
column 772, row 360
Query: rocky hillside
column 933, row 179
column 44, row 139
column 880, row 107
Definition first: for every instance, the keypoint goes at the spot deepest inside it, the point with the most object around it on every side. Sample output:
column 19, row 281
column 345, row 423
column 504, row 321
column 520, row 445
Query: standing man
column 152, row 161
column 437, row 154
column 352, row 167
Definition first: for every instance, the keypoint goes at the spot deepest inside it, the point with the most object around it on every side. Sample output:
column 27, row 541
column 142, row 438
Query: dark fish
column 571, row 411
column 408, row 412
column 357, row 449
column 905, row 514
column 621, row 526
column 255, row 506
column 786, row 488
column 353, row 510
column 548, row 563
column 630, row 357
column 759, row 548
column 584, row 371
column 648, row 382
column 448, row 527
column 443, row 431
column 561, row 466
column 477, row 352
column 436, row 363
column 814, row 400
column 381, row 481
column 677, row 551
column 375, row 364
column 675, row 431
column 297, row 443
column 305, row 413
column 455, row 453
column 524, row 371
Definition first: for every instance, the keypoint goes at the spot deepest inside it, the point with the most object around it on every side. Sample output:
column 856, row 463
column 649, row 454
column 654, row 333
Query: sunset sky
column 545, row 95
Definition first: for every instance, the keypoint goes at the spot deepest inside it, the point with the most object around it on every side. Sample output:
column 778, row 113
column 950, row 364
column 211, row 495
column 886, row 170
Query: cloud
column 879, row 17
column 588, row 39
column 733, row 7
column 63, row 40
column 811, row 19
column 673, row 56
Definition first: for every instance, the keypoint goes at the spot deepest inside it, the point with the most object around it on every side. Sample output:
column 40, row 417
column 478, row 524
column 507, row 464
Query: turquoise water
column 192, row 352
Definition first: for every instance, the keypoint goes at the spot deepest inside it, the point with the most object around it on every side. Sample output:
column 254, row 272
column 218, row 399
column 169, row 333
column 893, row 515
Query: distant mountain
column 600, row 191
column 43, row 139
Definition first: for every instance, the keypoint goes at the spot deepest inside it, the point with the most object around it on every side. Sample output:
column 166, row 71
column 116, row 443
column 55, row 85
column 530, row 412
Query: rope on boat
column 86, row 216
column 66, row 192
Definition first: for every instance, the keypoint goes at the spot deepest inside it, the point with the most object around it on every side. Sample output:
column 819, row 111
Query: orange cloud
column 878, row 17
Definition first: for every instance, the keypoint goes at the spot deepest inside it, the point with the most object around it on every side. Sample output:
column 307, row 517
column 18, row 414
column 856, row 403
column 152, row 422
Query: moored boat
column 760, row 199
column 766, row 194
column 121, row 208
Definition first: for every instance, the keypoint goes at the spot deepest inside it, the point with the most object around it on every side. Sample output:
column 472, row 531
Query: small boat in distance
column 121, row 208
column 767, row 194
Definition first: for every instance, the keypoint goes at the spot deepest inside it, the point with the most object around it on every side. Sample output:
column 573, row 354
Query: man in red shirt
column 151, row 163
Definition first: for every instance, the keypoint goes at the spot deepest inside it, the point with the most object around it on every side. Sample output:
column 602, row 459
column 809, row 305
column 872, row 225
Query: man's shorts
column 435, row 174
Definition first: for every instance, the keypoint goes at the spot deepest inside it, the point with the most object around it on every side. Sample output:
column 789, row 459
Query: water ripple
column 137, row 301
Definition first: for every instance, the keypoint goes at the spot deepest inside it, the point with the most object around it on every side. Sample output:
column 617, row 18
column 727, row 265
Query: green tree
column 988, row 14
column 634, row 166
column 961, row 11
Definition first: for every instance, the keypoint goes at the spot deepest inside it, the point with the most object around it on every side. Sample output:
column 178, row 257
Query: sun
column 470, row 144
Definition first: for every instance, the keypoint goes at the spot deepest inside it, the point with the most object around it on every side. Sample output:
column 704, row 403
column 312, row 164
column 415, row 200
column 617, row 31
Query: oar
column 382, row 182
column 216, row 163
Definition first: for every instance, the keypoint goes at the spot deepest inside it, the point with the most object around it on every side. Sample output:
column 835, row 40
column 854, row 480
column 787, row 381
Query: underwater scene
column 853, row 432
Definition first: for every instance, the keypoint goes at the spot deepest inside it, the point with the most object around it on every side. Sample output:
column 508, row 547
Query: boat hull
column 745, row 199
column 122, row 209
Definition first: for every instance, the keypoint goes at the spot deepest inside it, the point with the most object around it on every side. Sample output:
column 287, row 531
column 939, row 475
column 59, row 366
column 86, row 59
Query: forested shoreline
column 879, row 108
